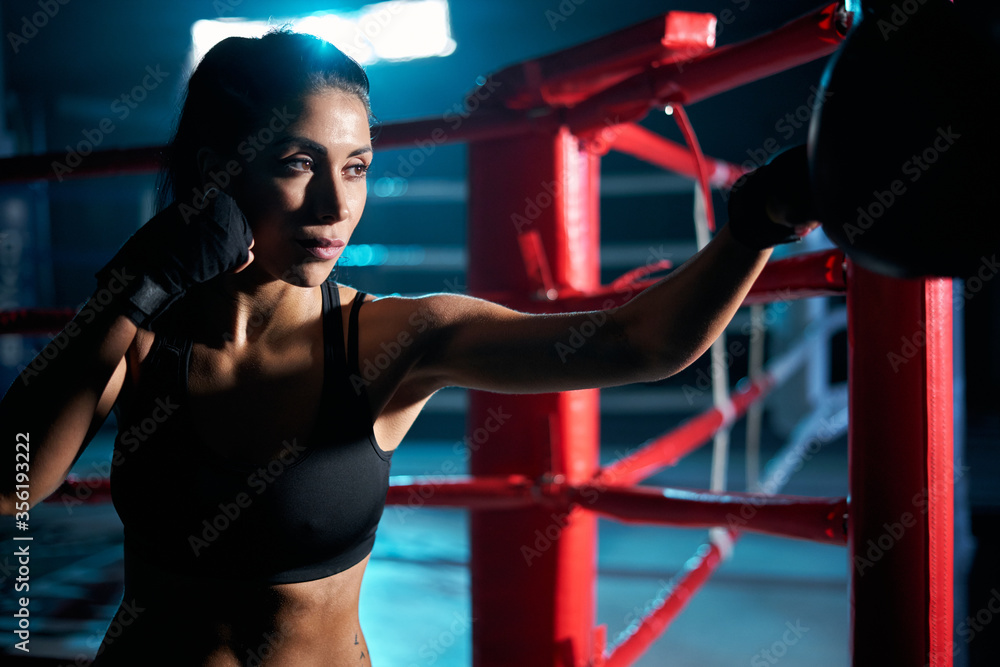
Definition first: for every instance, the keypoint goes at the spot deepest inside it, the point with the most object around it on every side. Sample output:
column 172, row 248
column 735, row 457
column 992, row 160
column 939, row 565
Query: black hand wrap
column 179, row 247
column 761, row 199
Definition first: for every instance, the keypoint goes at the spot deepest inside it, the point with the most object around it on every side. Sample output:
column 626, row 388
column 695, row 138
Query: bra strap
column 352, row 334
column 333, row 329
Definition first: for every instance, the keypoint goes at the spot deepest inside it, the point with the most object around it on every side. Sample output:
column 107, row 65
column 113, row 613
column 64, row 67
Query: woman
column 235, row 371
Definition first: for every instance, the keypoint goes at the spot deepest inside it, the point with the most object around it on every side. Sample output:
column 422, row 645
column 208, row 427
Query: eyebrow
column 319, row 148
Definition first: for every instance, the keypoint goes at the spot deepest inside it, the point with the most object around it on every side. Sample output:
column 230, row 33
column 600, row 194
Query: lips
column 322, row 248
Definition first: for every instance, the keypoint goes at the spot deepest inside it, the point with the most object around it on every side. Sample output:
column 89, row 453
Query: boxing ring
column 542, row 136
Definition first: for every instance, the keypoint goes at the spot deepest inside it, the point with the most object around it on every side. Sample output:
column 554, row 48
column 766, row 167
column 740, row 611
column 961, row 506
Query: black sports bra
column 309, row 513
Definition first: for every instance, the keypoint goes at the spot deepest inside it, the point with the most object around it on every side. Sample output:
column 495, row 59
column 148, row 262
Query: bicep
column 481, row 345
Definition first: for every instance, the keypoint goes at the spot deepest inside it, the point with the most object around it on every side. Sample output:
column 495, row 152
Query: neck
column 250, row 307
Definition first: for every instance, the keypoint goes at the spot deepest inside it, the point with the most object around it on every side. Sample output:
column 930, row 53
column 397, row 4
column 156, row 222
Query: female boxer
column 252, row 459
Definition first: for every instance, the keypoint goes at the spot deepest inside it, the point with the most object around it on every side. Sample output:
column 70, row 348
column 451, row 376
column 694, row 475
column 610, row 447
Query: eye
column 357, row 171
column 298, row 164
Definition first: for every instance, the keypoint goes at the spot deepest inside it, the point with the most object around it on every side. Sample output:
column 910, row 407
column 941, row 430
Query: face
column 304, row 192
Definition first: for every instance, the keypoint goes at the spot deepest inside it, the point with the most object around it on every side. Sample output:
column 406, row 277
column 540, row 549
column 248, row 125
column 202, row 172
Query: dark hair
column 232, row 94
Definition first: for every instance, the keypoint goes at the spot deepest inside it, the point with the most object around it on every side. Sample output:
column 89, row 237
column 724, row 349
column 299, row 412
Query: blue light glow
column 390, row 187
column 376, row 254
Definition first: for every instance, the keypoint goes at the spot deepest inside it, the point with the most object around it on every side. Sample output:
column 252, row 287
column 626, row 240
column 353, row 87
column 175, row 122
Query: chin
column 308, row 275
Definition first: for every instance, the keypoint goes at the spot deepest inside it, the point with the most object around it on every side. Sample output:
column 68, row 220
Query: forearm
column 55, row 398
column 672, row 323
column 675, row 321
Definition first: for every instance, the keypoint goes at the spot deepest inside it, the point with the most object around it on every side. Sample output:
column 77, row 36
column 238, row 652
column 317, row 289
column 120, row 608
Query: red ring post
column 901, row 454
column 533, row 570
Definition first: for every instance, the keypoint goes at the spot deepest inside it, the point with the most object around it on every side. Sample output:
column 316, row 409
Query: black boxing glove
column 765, row 203
column 179, row 247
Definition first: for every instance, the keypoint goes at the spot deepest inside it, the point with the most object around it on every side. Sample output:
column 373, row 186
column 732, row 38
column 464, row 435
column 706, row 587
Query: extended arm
column 477, row 344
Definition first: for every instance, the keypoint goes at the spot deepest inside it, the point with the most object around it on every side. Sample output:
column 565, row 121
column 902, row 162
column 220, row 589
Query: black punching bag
column 902, row 145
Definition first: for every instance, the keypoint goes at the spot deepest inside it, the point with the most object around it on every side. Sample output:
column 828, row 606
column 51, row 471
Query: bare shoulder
column 427, row 321
column 348, row 294
column 403, row 319
column 435, row 309
column 399, row 333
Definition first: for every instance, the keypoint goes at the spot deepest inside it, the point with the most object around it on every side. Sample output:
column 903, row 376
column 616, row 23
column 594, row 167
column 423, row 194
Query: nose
column 329, row 197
